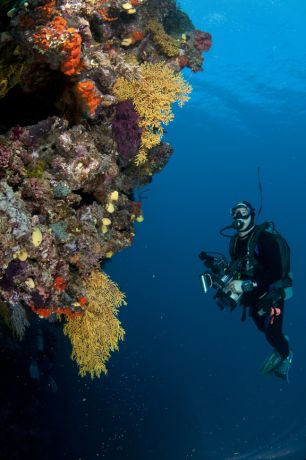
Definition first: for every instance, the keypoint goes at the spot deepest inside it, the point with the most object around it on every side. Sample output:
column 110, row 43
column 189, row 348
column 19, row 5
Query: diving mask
column 243, row 216
column 240, row 212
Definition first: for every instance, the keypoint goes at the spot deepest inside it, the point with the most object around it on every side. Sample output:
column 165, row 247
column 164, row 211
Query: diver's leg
column 279, row 341
column 279, row 361
column 273, row 360
column 275, row 335
column 258, row 320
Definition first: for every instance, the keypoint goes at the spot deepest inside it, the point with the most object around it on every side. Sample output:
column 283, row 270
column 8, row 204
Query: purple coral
column 202, row 40
column 14, row 268
column 38, row 300
column 5, row 156
column 126, row 130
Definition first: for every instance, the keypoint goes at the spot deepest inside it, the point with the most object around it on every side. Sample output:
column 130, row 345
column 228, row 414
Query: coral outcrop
column 86, row 88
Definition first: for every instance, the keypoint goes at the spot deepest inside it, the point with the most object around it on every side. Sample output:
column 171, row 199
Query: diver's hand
column 240, row 286
column 235, row 286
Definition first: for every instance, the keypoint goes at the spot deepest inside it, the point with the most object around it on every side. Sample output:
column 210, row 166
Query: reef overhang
column 86, row 89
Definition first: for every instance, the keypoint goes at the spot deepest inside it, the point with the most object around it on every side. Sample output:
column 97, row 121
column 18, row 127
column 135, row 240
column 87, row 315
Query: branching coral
column 97, row 333
column 167, row 44
column 153, row 96
column 10, row 75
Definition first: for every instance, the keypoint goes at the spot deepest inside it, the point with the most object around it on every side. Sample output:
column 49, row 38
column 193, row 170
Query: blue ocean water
column 185, row 384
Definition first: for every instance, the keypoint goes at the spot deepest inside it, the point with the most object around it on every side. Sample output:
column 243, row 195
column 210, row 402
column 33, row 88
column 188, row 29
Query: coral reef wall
column 86, row 88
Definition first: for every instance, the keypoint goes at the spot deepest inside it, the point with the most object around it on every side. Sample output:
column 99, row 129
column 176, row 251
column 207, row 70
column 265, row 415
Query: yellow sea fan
column 167, row 44
column 95, row 335
column 141, row 158
column 10, row 75
column 153, row 95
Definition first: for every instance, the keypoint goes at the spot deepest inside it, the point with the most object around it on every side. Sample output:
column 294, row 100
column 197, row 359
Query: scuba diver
column 258, row 278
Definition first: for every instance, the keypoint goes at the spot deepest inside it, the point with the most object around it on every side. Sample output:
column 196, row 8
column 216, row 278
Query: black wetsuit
column 269, row 271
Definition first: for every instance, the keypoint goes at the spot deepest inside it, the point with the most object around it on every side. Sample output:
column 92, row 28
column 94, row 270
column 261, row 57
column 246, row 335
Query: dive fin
column 282, row 370
column 270, row 363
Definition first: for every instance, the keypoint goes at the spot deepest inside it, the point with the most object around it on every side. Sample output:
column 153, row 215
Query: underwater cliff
column 86, row 89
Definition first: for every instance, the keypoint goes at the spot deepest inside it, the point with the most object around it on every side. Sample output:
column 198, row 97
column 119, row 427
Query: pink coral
column 5, row 156
column 202, row 40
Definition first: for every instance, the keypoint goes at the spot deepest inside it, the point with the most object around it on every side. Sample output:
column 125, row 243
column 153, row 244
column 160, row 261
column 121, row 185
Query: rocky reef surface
column 86, row 89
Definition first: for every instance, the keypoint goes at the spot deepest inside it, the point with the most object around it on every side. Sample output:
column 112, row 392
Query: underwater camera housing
column 218, row 276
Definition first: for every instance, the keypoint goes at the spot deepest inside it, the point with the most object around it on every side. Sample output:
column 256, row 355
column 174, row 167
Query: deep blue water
column 185, row 384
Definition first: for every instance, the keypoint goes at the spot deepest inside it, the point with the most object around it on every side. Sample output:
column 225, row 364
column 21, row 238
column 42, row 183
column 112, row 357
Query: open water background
column 185, row 384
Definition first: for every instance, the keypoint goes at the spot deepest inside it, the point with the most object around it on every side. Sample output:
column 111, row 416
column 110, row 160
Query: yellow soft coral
column 96, row 334
column 10, row 75
column 153, row 95
column 167, row 44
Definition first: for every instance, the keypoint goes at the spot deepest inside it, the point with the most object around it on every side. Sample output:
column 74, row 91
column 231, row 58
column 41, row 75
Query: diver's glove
column 235, row 286
column 274, row 313
column 240, row 286
column 269, row 315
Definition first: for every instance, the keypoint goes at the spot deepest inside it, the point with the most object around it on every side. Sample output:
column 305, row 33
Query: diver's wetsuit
column 268, row 272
